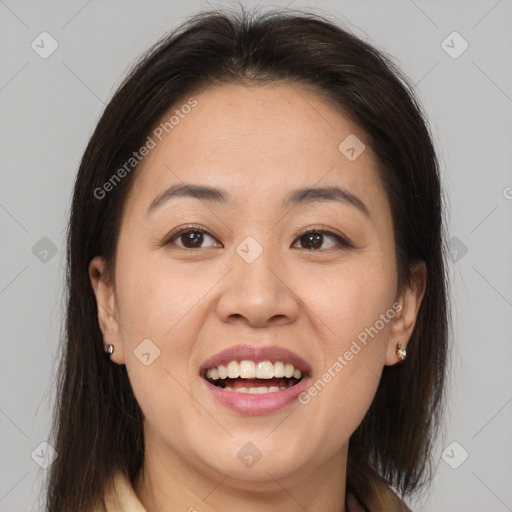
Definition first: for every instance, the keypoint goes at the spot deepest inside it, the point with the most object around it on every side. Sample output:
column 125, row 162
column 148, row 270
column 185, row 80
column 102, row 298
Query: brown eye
column 314, row 238
column 190, row 238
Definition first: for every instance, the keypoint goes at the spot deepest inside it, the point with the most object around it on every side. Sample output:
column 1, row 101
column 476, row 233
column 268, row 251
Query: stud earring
column 110, row 350
column 400, row 351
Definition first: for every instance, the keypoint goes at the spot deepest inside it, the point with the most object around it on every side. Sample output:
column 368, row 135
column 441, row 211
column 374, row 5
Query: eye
column 314, row 237
column 191, row 237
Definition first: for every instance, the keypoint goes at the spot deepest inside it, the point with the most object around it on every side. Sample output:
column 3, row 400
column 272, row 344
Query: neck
column 168, row 483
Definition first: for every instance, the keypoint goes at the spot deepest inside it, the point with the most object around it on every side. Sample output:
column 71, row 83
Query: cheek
column 350, row 301
column 353, row 312
column 157, row 304
column 154, row 299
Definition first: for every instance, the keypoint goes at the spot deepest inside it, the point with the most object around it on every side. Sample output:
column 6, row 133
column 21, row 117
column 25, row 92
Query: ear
column 106, row 302
column 404, row 321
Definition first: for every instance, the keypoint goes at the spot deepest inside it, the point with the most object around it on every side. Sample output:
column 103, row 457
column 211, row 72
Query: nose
column 258, row 293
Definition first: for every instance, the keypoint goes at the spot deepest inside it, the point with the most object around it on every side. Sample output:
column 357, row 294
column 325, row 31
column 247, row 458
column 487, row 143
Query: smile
column 254, row 377
column 255, row 380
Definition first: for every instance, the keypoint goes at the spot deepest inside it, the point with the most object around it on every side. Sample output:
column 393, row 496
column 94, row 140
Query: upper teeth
column 251, row 370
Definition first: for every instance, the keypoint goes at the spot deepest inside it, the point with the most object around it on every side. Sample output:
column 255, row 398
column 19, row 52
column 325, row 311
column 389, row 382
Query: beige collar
column 121, row 497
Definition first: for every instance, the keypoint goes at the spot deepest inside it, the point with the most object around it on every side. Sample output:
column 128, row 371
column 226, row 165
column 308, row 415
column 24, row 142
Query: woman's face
column 245, row 274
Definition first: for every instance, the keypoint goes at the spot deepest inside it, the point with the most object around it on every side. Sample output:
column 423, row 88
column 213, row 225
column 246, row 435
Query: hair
column 97, row 424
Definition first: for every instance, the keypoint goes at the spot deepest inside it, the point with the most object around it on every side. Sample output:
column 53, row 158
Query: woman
column 257, row 314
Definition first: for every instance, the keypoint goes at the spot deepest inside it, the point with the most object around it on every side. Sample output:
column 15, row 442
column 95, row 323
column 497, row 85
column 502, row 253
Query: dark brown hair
column 97, row 425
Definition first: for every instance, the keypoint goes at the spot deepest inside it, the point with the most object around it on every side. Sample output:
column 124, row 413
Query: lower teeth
column 281, row 385
column 262, row 389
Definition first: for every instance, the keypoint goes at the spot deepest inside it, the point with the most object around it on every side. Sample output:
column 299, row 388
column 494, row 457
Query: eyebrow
column 295, row 197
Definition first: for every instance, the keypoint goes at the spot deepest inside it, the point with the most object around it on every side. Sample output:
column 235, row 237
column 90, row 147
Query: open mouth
column 254, row 377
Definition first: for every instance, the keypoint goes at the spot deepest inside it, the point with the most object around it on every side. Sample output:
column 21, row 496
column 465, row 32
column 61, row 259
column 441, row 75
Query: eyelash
column 343, row 242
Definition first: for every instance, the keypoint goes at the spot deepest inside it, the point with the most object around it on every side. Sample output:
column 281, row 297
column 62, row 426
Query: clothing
column 121, row 497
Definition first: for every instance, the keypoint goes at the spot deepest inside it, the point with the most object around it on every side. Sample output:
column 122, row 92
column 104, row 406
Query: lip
column 251, row 353
column 257, row 404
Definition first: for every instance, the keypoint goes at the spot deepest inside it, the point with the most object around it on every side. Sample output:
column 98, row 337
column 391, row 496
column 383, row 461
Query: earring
column 110, row 350
column 400, row 351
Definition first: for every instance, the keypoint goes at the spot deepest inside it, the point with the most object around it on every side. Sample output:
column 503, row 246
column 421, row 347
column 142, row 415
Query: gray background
column 49, row 107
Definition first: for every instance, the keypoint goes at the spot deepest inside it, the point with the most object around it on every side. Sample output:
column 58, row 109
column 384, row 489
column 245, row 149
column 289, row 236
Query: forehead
column 256, row 142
